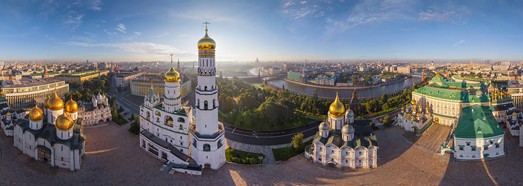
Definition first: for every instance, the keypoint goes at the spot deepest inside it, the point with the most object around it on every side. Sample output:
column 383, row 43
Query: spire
column 172, row 60
column 206, row 23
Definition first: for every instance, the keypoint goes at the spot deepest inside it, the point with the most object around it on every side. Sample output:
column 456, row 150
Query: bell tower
column 208, row 133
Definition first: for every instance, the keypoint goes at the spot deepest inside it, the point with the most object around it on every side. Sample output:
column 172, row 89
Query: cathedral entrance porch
column 44, row 153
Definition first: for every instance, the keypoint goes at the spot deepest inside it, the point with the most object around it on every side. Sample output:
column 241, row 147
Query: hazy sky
column 268, row 29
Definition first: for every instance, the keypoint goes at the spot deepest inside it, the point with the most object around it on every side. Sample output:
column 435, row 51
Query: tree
column 387, row 120
column 368, row 106
column 297, row 140
column 385, row 106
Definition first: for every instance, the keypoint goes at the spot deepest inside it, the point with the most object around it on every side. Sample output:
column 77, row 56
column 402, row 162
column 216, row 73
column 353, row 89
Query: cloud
column 71, row 13
column 458, row 43
column 370, row 12
column 138, row 33
column 434, row 16
column 121, row 28
column 73, row 20
column 134, row 47
column 304, row 9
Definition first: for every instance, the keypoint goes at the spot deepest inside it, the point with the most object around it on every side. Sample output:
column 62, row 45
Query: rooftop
column 27, row 82
column 477, row 122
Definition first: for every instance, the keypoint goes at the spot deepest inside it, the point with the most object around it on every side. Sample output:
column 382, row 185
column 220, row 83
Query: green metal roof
column 440, row 92
column 477, row 122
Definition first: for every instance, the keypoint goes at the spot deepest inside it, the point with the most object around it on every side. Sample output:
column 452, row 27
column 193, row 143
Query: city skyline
column 270, row 30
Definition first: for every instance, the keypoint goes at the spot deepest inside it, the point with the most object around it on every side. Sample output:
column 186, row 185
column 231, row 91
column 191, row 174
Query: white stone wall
column 360, row 157
column 215, row 156
column 464, row 147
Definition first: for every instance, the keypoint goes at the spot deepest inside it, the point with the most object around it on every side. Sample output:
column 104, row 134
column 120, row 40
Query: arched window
column 181, row 127
column 214, row 103
column 181, row 120
column 205, row 105
column 169, row 121
column 206, row 147
column 219, row 143
column 148, row 115
column 205, row 88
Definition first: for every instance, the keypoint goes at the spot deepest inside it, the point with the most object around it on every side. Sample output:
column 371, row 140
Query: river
column 329, row 92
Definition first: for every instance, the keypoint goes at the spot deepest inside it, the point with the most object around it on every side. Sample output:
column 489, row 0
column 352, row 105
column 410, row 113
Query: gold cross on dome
column 206, row 24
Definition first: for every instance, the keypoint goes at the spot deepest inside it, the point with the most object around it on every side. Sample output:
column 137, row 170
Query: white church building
column 186, row 139
column 344, row 142
column 51, row 135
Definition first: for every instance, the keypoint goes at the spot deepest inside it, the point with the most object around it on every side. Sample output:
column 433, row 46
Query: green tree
column 297, row 141
column 247, row 101
column 385, row 106
column 387, row 120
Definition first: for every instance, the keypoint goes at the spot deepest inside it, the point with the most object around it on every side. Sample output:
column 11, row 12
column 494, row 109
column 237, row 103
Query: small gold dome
column 413, row 102
column 8, row 114
column 206, row 43
column 56, row 103
column 336, row 109
column 172, row 75
column 64, row 122
column 46, row 102
column 71, row 106
column 36, row 114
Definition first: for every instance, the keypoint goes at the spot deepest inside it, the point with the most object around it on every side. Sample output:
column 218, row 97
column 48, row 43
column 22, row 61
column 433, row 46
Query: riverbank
column 346, row 87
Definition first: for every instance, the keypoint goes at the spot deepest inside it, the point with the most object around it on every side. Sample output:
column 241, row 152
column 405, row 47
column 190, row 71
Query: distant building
column 22, row 93
column 123, row 80
column 141, row 85
column 82, row 76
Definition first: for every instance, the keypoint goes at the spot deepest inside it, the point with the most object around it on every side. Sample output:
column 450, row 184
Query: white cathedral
column 186, row 139
column 51, row 135
column 342, row 141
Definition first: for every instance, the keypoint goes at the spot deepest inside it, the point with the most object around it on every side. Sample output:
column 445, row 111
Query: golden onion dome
column 71, row 106
column 36, row 114
column 514, row 114
column 8, row 114
column 413, row 102
column 336, row 109
column 64, row 122
column 206, row 43
column 56, row 103
column 172, row 75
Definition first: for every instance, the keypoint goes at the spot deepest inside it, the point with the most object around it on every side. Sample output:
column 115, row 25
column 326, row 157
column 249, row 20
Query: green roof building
column 478, row 134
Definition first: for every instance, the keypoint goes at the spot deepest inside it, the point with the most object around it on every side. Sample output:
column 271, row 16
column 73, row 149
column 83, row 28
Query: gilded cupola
column 336, row 109
column 56, row 103
column 71, row 106
column 64, row 122
column 36, row 114
column 206, row 43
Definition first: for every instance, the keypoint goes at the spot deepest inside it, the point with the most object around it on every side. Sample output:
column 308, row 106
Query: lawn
column 285, row 153
column 120, row 120
column 242, row 157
